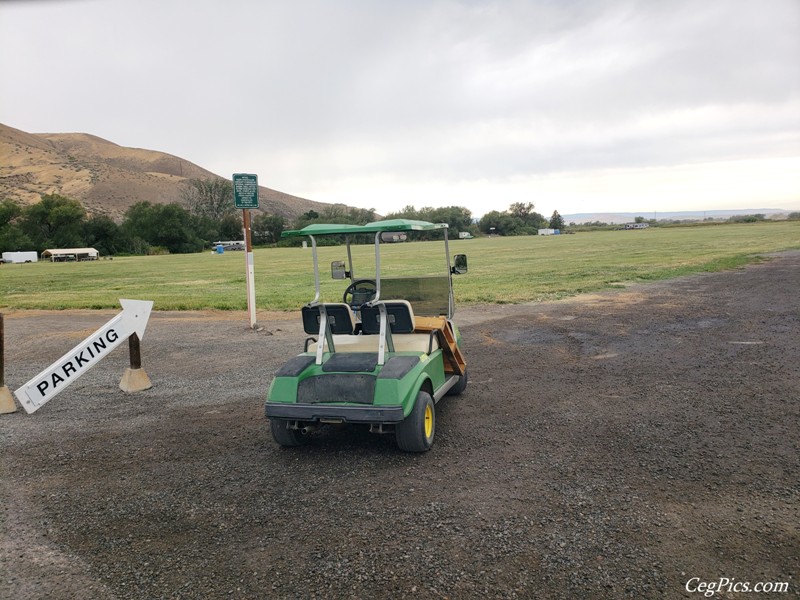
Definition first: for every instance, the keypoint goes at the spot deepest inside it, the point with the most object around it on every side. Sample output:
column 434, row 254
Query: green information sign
column 245, row 190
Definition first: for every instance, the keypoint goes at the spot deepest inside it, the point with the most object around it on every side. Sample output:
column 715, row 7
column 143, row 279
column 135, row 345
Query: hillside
column 105, row 177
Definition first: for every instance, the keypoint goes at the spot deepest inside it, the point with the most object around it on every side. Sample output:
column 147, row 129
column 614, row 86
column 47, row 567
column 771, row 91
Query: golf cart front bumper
column 335, row 414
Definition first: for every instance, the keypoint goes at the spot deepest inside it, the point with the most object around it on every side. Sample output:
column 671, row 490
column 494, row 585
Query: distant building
column 70, row 254
column 636, row 225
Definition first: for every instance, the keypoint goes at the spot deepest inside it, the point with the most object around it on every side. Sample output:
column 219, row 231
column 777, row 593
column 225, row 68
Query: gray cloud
column 317, row 92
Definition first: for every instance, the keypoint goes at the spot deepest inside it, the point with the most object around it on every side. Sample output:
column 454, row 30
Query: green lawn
column 501, row 270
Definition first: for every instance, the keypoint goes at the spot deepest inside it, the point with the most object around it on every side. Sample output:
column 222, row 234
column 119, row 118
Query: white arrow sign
column 42, row 388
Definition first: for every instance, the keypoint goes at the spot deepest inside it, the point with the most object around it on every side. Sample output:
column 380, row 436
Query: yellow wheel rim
column 428, row 421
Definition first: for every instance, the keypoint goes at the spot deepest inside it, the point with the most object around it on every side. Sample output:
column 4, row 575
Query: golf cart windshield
column 429, row 294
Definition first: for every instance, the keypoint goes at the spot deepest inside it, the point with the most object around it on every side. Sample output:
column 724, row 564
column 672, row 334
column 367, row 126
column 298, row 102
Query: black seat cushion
column 401, row 320
column 340, row 319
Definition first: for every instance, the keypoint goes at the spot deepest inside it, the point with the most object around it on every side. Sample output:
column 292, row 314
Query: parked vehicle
column 20, row 257
column 383, row 356
column 228, row 245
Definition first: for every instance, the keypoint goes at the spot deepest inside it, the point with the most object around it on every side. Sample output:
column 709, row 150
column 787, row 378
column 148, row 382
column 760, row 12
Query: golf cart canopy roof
column 374, row 227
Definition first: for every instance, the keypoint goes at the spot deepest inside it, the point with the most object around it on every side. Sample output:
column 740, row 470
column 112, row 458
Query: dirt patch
column 612, row 445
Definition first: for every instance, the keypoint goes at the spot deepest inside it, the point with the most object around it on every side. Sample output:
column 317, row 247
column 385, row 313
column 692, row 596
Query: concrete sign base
column 135, row 380
column 7, row 404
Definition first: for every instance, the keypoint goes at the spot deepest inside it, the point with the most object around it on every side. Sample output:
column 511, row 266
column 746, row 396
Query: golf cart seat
column 400, row 313
column 401, row 321
column 402, row 326
column 340, row 318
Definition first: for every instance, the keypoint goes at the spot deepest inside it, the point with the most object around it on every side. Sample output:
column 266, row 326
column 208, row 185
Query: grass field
column 501, row 270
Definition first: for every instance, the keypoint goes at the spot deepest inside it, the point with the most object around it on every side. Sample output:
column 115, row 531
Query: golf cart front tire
column 415, row 433
column 284, row 436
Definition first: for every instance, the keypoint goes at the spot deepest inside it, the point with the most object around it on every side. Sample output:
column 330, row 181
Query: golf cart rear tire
column 284, row 436
column 415, row 433
column 458, row 388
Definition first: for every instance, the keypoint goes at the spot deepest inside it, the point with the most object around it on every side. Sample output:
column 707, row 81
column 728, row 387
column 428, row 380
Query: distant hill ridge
column 693, row 215
column 105, row 177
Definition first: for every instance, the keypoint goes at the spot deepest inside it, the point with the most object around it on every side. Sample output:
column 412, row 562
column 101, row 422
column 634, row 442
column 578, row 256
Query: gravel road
column 611, row 445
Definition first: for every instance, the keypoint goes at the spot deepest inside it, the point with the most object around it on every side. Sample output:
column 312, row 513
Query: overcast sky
column 576, row 106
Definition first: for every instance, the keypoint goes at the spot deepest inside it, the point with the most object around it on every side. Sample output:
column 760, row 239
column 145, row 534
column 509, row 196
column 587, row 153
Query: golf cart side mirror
column 459, row 264
column 337, row 270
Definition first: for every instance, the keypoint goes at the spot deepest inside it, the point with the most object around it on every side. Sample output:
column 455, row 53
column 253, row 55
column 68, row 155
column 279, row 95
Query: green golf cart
column 383, row 355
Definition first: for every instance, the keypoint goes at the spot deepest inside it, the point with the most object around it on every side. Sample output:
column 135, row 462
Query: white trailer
column 20, row 257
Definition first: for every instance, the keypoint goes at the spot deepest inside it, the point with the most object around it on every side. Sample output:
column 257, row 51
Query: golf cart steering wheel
column 359, row 292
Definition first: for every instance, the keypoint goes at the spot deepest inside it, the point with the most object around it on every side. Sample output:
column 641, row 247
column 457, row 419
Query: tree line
column 519, row 219
column 60, row 222
column 206, row 214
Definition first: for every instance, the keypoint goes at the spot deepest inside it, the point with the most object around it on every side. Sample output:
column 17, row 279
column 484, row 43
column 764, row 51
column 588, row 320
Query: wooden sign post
column 245, row 196
column 6, row 401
